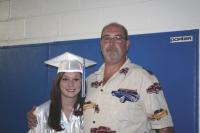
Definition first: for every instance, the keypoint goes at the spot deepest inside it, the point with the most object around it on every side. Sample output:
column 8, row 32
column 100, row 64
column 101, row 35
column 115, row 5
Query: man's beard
column 112, row 54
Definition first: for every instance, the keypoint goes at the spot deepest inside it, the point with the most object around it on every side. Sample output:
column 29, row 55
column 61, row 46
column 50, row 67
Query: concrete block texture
column 4, row 10
column 81, row 19
column 43, row 26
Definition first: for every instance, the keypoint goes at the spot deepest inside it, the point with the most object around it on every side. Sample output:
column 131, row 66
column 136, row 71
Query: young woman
column 63, row 112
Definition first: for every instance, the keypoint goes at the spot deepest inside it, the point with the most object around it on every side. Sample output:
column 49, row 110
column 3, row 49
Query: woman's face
column 70, row 84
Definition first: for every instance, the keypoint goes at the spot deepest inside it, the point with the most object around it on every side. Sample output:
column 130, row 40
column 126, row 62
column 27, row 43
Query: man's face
column 114, row 45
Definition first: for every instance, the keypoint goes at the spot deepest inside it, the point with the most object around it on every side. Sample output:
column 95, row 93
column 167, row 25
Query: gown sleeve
column 42, row 113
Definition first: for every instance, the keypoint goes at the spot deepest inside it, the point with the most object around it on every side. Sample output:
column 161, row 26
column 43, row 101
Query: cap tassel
column 83, row 80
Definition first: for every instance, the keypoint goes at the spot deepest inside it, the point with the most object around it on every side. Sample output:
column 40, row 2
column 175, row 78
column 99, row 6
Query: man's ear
column 128, row 44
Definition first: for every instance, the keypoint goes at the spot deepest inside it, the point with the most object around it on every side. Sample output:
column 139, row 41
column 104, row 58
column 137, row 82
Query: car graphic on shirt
column 126, row 95
column 155, row 88
column 158, row 114
column 102, row 129
column 89, row 105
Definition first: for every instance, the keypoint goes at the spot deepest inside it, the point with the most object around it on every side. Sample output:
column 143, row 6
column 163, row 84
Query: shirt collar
column 101, row 69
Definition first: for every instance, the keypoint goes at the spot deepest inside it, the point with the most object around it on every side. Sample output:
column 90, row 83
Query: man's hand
column 31, row 119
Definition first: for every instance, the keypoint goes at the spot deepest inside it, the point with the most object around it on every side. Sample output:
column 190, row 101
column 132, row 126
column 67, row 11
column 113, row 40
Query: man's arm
column 166, row 130
column 31, row 119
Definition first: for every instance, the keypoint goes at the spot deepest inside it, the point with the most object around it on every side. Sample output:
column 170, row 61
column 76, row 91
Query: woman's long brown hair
column 56, row 105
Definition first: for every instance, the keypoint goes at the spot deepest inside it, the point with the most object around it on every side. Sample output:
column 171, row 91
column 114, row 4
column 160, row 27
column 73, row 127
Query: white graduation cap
column 68, row 62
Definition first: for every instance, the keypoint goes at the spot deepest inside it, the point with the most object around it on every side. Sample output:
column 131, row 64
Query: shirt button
column 93, row 122
column 101, row 90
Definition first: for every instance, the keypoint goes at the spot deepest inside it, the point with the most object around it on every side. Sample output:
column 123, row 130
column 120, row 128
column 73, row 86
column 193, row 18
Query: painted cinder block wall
column 37, row 21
